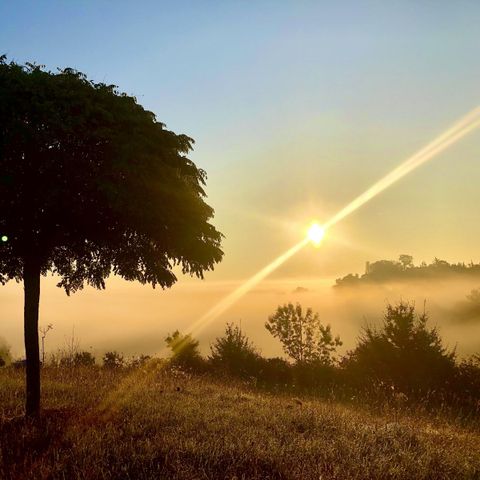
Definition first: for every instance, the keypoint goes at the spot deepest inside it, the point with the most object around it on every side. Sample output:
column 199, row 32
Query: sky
column 296, row 107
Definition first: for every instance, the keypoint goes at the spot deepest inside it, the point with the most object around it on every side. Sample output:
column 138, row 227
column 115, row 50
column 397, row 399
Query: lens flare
column 315, row 233
column 4, row 238
column 230, row 299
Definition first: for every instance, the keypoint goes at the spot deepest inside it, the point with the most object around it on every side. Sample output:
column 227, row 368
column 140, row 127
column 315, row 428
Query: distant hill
column 403, row 269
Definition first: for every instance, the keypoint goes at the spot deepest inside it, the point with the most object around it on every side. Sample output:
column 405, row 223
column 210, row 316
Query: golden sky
column 296, row 108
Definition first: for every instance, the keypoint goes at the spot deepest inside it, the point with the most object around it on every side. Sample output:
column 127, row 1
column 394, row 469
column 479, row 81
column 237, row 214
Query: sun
column 315, row 233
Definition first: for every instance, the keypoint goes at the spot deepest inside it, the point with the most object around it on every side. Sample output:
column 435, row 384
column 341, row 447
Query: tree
column 406, row 261
column 91, row 184
column 404, row 353
column 303, row 337
column 234, row 352
column 184, row 350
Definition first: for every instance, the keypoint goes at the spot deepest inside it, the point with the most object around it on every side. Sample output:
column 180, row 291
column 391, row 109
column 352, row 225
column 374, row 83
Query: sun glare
column 315, row 233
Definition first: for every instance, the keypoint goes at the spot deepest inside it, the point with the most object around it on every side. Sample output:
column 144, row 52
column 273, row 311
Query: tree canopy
column 303, row 336
column 383, row 271
column 92, row 184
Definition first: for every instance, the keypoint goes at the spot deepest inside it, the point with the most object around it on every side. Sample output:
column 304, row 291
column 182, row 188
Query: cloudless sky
column 296, row 107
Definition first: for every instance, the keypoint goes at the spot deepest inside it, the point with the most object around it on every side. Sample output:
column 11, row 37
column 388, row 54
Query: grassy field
column 150, row 423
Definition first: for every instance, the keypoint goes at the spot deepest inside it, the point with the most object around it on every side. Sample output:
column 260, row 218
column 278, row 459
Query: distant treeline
column 404, row 269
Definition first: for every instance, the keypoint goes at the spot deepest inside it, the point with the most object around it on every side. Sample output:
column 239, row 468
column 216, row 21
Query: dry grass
column 152, row 424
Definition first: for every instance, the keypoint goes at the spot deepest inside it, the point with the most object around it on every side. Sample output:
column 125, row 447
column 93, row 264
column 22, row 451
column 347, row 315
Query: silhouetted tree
column 406, row 261
column 303, row 337
column 404, row 269
column 234, row 352
column 384, row 269
column 184, row 349
column 91, row 184
column 403, row 353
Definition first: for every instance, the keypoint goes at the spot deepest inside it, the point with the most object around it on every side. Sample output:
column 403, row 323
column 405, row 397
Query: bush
column 185, row 352
column 234, row 353
column 113, row 360
column 140, row 361
column 83, row 359
column 275, row 372
column 404, row 354
column 467, row 381
column 77, row 359
column 314, row 375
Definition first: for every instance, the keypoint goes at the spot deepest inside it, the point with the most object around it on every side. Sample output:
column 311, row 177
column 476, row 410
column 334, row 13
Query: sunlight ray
column 230, row 299
column 461, row 128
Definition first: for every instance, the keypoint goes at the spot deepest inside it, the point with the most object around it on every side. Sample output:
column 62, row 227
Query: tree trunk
column 31, row 285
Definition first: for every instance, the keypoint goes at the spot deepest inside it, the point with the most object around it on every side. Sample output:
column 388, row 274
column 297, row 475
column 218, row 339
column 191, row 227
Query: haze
column 296, row 108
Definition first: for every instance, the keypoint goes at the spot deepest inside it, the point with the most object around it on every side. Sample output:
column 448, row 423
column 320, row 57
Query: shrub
column 403, row 354
column 140, row 361
column 113, row 360
column 467, row 384
column 234, row 353
column 83, row 359
column 316, row 375
column 275, row 372
column 77, row 359
column 184, row 350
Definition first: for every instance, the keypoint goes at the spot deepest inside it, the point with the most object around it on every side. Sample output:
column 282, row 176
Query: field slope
column 144, row 424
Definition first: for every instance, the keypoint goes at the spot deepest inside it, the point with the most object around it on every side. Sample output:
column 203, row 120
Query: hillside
column 147, row 423
column 404, row 270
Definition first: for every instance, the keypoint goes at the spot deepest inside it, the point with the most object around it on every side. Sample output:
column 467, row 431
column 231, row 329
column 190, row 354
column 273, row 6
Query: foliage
column 140, row 361
column 275, row 372
column 406, row 261
column 467, row 381
column 184, row 350
column 92, row 184
column 303, row 336
column 404, row 353
column 83, row 359
column 314, row 376
column 234, row 352
column 113, row 360
column 404, row 269
column 77, row 359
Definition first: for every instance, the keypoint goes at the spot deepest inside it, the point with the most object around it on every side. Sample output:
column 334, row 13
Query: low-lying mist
column 135, row 319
